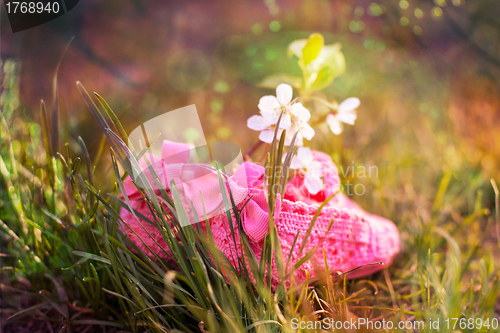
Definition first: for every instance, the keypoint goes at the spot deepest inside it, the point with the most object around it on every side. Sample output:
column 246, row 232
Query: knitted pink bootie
column 355, row 237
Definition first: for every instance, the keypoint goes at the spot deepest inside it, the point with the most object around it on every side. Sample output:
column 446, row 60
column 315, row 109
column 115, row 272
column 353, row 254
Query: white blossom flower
column 309, row 168
column 267, row 127
column 294, row 119
column 345, row 114
column 300, row 126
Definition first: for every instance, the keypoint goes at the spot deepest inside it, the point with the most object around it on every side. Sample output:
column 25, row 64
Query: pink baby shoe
column 355, row 238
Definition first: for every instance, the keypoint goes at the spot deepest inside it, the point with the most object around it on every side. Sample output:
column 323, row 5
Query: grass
column 66, row 262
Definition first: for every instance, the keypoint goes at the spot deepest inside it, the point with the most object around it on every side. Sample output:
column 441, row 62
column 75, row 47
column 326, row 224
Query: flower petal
column 284, row 94
column 294, row 164
column 286, row 121
column 334, row 123
column 268, row 104
column 313, row 184
column 315, row 169
column 300, row 112
column 289, row 137
column 349, row 104
column 267, row 136
column 305, row 156
column 307, row 131
column 347, row 117
column 257, row 123
column 271, row 118
column 298, row 141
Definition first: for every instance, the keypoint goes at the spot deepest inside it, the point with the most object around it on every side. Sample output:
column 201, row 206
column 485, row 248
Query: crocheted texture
column 144, row 234
column 355, row 237
column 297, row 191
column 349, row 236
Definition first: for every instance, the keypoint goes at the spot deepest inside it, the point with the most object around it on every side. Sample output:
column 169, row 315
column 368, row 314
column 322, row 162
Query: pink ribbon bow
column 199, row 187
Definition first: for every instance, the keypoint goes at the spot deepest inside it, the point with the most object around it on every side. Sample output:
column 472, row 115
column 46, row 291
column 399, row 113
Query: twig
column 265, row 153
column 250, row 151
column 390, row 286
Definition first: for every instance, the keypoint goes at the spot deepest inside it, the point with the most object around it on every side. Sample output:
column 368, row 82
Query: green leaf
column 322, row 79
column 47, row 142
column 96, row 322
column 274, row 80
column 262, row 322
column 329, row 64
column 320, row 63
column 332, row 57
column 113, row 117
column 25, row 312
column 312, row 48
column 92, row 256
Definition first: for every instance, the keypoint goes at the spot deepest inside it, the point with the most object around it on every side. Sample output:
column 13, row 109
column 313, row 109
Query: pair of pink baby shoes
column 347, row 235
